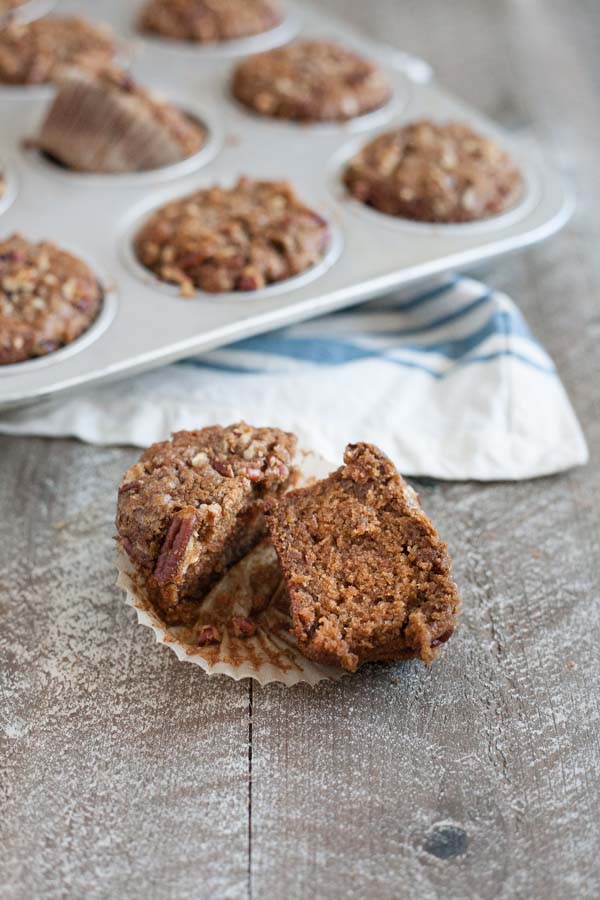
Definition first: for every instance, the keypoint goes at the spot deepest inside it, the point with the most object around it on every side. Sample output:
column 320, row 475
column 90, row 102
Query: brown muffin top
column 434, row 173
column 34, row 53
column 237, row 239
column 104, row 122
column 8, row 5
column 192, row 506
column 310, row 80
column 209, row 21
column 48, row 298
column 367, row 576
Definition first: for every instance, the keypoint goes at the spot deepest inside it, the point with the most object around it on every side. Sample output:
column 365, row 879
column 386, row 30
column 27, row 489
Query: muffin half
column 192, row 506
column 366, row 574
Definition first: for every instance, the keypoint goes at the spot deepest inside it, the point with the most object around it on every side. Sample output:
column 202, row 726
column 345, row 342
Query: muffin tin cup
column 271, row 655
column 524, row 201
column 105, row 317
column 138, row 216
column 370, row 253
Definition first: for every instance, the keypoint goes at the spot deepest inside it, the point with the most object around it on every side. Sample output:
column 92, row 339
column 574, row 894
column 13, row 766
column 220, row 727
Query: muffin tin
column 145, row 323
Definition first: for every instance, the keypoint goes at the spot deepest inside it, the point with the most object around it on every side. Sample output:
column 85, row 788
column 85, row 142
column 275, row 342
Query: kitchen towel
column 449, row 381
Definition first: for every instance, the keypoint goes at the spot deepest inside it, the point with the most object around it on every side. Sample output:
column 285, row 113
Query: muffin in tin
column 48, row 297
column 193, row 506
column 34, row 53
column 238, row 239
column 310, row 81
column 434, row 172
column 209, row 21
column 103, row 122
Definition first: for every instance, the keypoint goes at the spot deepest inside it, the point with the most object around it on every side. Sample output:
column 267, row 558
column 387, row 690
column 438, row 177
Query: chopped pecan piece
column 209, row 634
column 172, row 555
column 243, row 627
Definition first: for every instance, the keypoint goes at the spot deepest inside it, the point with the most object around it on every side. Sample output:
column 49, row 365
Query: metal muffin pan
column 145, row 323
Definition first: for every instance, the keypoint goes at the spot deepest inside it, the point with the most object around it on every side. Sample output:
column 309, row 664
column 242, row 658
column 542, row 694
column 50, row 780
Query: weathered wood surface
column 127, row 774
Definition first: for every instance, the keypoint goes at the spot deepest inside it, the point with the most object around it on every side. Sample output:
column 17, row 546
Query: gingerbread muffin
column 236, row 239
column 434, row 173
column 104, row 122
column 193, row 506
column 310, row 81
column 366, row 574
column 48, row 298
column 34, row 53
column 209, row 21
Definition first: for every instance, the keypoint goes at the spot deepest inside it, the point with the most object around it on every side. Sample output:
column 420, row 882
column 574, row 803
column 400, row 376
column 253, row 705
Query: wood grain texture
column 126, row 773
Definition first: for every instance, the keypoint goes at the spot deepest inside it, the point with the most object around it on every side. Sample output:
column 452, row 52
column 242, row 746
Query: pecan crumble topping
column 48, row 298
column 193, row 506
column 209, row 21
column 35, row 52
column 310, row 80
column 434, row 173
column 237, row 239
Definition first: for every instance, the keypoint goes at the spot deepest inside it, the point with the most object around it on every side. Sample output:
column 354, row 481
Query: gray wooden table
column 127, row 774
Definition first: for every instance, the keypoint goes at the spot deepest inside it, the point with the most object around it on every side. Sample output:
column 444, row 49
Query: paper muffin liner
column 90, row 127
column 251, row 589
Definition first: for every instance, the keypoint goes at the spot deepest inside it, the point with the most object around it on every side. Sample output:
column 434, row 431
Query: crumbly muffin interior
column 193, row 506
column 367, row 576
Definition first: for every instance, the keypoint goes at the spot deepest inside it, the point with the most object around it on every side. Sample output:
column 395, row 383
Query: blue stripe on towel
column 456, row 346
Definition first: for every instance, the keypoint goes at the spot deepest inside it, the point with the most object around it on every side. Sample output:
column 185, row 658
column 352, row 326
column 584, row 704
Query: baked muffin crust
column 34, row 53
column 104, row 122
column 209, row 21
column 192, row 506
column 310, row 80
column 48, row 298
column 367, row 576
column 237, row 239
column 434, row 173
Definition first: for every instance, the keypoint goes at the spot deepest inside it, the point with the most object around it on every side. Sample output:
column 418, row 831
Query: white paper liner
column 271, row 654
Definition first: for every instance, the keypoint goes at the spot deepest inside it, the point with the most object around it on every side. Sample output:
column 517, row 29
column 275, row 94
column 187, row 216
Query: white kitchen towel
column 449, row 382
